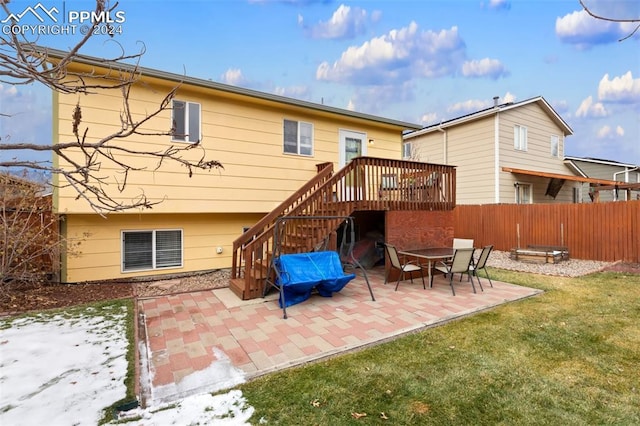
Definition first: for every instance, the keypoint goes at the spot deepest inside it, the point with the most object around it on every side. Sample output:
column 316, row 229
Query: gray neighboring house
column 509, row 153
column 606, row 169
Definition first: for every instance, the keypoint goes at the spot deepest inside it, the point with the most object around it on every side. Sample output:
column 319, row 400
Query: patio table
column 430, row 254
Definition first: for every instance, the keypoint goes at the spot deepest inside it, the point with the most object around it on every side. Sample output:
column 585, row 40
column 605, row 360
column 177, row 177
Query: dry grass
column 569, row 356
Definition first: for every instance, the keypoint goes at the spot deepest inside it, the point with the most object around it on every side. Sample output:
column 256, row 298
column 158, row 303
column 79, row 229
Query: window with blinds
column 186, row 121
column 143, row 250
column 298, row 137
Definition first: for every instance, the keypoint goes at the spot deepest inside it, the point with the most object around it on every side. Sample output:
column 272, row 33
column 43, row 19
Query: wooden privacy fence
column 598, row 231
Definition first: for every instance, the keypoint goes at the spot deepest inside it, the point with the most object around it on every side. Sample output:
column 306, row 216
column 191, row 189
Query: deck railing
column 366, row 183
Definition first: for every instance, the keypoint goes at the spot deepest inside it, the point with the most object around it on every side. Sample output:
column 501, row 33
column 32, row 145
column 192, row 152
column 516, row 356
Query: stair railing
column 365, row 183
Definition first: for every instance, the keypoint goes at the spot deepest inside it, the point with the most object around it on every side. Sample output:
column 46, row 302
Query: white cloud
column 374, row 99
column 429, row 117
column 500, row 4
column 588, row 108
column 474, row 105
column 397, row 56
column 618, row 9
column 623, row 89
column 584, row 31
column 486, row 67
column 8, row 91
column 234, row 77
column 509, row 97
column 351, row 106
column 298, row 92
column 470, row 105
column 604, row 132
column 346, row 22
column 561, row 107
column 25, row 117
column 607, row 132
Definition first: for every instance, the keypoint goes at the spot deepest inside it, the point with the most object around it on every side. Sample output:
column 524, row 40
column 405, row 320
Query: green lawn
column 570, row 356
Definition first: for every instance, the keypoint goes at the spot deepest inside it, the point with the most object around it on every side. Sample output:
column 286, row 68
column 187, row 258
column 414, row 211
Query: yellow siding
column 244, row 134
column 101, row 246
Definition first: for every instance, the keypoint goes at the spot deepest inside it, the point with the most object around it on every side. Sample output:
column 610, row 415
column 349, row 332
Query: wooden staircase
column 364, row 184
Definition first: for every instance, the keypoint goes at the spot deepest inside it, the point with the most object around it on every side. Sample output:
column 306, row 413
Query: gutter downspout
column 496, row 157
column 626, row 179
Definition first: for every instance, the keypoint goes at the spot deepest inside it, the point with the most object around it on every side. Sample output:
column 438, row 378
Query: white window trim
column 555, row 138
column 407, row 150
column 153, row 247
column 186, row 121
column 520, row 143
column 299, row 122
column 518, row 185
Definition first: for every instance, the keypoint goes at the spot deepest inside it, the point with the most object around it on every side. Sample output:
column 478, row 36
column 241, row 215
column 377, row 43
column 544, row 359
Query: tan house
column 509, row 153
column 628, row 176
column 281, row 157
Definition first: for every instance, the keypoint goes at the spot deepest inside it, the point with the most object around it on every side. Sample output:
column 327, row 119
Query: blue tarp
column 301, row 273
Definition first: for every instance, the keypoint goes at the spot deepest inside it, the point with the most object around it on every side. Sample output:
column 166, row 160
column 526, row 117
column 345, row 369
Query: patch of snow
column 226, row 409
column 219, row 375
column 66, row 369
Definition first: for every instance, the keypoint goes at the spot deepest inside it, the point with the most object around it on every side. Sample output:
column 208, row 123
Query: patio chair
column 460, row 264
column 482, row 263
column 402, row 267
column 462, row 243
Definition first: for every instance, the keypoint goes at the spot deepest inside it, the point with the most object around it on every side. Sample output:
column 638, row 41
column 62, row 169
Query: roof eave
column 164, row 75
column 490, row 111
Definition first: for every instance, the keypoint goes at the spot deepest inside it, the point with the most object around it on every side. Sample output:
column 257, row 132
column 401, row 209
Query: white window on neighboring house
column 520, row 137
column 146, row 250
column 523, row 193
column 555, row 146
column 406, row 151
column 298, row 137
column 577, row 194
column 185, row 118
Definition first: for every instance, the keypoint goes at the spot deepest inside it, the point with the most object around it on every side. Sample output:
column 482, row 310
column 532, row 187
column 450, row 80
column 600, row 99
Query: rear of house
column 269, row 146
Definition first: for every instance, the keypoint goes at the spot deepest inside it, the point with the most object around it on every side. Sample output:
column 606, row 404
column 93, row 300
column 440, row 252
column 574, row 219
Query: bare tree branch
column 603, row 18
column 96, row 168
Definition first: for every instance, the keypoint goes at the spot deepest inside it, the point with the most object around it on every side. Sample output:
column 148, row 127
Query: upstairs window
column 145, row 250
column 298, row 137
column 555, row 146
column 406, row 151
column 186, row 121
column 520, row 137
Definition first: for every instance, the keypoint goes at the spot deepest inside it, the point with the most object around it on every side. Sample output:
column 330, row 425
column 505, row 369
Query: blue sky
column 420, row 61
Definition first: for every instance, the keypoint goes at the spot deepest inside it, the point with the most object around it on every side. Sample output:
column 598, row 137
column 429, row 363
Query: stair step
column 242, row 287
column 237, row 287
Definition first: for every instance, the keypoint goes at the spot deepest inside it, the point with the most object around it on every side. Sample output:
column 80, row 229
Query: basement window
column 148, row 250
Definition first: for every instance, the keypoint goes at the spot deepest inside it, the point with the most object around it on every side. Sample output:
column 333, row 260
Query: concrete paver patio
column 210, row 340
